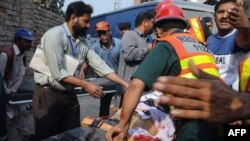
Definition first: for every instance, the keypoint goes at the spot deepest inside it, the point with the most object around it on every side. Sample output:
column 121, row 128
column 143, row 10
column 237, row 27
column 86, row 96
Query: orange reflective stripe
column 204, row 60
column 196, row 29
column 244, row 71
column 176, row 44
column 207, row 70
column 197, row 59
column 203, row 67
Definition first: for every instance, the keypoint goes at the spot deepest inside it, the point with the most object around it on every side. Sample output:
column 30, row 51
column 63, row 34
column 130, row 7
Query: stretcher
column 150, row 121
column 25, row 92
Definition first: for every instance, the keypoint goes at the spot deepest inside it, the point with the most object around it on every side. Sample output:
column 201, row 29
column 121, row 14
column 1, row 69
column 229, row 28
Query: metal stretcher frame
column 26, row 97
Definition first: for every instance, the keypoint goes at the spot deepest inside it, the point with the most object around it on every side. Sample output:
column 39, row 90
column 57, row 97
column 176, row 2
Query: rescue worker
column 244, row 75
column 169, row 57
column 198, row 29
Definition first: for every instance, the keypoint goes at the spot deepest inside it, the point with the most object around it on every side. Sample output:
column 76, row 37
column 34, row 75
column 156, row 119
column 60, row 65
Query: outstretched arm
column 130, row 101
column 239, row 20
column 115, row 78
column 206, row 98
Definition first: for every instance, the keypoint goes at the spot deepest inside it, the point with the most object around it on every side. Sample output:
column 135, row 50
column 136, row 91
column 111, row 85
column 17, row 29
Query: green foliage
column 52, row 5
column 56, row 6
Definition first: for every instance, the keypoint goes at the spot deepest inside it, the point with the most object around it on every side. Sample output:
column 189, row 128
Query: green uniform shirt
column 161, row 61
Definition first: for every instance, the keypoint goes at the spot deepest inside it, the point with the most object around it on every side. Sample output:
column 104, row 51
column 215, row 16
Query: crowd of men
column 204, row 74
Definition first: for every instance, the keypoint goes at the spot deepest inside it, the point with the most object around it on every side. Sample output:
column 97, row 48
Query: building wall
column 15, row 14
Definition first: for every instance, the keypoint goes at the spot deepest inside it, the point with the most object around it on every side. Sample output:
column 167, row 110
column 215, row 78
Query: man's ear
column 144, row 22
column 73, row 18
column 147, row 22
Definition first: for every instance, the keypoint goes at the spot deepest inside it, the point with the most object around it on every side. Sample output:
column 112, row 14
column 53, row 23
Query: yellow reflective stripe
column 199, row 59
column 197, row 30
column 188, row 75
column 211, row 71
column 245, row 75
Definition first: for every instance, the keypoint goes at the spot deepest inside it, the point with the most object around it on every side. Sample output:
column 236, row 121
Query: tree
column 52, row 5
column 56, row 6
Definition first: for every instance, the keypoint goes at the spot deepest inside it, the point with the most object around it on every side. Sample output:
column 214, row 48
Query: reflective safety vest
column 196, row 29
column 244, row 72
column 187, row 48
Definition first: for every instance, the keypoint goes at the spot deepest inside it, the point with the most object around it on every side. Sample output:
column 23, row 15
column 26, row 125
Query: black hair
column 143, row 16
column 78, row 8
column 165, row 25
column 152, row 11
column 210, row 2
column 219, row 3
column 124, row 25
column 207, row 19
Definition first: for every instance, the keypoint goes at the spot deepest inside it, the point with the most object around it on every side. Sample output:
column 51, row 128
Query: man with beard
column 134, row 46
column 56, row 108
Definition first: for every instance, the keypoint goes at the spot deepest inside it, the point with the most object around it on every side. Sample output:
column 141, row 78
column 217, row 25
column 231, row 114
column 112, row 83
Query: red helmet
column 102, row 25
column 163, row 4
column 167, row 10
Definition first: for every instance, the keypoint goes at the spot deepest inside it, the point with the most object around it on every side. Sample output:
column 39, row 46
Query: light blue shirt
column 57, row 42
column 111, row 55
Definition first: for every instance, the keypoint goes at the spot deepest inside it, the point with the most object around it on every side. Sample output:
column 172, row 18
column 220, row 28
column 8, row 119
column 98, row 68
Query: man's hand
column 118, row 132
column 207, row 98
column 237, row 17
column 94, row 89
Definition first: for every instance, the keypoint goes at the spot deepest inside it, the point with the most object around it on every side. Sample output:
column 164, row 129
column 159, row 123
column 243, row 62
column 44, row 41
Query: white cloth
column 163, row 121
column 155, row 95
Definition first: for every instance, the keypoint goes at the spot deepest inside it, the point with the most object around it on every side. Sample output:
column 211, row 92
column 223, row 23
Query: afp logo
column 236, row 132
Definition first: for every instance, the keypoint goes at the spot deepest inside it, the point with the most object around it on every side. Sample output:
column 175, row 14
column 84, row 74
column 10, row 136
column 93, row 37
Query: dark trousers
column 105, row 105
column 3, row 131
column 54, row 111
